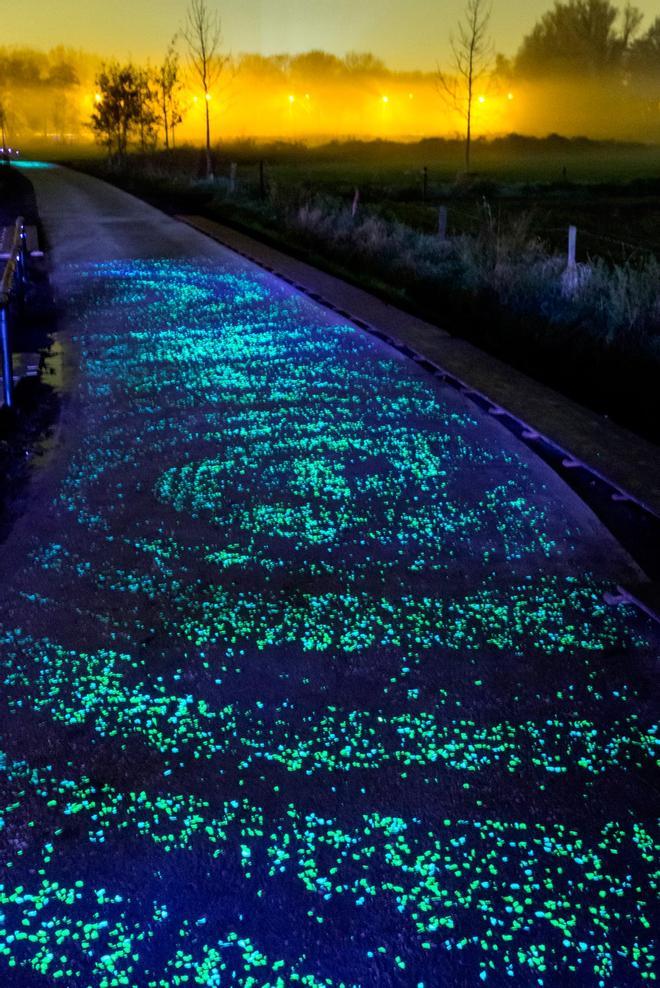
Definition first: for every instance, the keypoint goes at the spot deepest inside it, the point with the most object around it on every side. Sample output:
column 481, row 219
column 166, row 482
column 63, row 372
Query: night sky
column 410, row 35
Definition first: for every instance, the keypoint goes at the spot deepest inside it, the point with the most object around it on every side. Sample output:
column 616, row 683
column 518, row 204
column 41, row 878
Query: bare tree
column 631, row 19
column 472, row 60
column 203, row 35
column 148, row 106
column 168, row 87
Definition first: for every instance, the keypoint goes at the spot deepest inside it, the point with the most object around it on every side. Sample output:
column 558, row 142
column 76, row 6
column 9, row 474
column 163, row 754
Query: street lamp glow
column 385, row 99
column 292, row 98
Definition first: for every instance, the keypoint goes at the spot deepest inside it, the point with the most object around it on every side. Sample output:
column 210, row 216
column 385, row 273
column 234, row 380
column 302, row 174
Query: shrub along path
column 307, row 674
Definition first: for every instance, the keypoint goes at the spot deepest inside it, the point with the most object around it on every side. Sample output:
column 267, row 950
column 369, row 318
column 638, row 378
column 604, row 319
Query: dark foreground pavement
column 307, row 674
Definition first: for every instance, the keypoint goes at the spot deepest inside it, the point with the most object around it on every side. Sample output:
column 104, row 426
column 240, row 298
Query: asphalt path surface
column 307, row 672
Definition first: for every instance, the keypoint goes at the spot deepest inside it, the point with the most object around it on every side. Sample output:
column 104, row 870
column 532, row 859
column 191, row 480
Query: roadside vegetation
column 498, row 276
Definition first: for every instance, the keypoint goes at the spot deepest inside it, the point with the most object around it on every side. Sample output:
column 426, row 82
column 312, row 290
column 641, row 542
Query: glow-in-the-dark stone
column 308, row 678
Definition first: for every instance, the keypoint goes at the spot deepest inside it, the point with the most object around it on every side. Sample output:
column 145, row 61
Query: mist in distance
column 587, row 68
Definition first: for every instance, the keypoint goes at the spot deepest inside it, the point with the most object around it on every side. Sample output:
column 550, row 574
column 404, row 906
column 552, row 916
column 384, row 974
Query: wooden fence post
column 572, row 240
column 569, row 280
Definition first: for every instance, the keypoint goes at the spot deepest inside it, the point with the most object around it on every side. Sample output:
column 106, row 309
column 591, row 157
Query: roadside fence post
column 569, row 279
column 572, row 240
column 356, row 201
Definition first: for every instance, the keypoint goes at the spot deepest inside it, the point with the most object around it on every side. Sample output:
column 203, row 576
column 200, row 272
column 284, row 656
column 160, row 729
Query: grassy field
column 603, row 189
column 508, row 160
column 610, row 191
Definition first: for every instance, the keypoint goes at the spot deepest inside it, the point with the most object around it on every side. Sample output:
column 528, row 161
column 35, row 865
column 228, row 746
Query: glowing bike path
column 306, row 672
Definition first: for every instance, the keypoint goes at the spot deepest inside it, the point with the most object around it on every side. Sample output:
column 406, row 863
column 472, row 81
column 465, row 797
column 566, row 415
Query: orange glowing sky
column 407, row 34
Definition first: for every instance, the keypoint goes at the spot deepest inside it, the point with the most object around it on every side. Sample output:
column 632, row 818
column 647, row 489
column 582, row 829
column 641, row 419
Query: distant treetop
column 579, row 37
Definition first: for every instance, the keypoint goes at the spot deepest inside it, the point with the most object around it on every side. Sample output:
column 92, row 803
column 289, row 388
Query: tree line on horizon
column 144, row 105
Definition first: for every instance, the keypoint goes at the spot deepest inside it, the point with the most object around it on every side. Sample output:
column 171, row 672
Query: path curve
column 307, row 671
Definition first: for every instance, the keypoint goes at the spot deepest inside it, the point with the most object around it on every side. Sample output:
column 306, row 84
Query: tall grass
column 617, row 305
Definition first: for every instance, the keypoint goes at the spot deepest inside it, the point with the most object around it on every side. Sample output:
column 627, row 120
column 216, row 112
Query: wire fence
column 605, row 239
column 453, row 217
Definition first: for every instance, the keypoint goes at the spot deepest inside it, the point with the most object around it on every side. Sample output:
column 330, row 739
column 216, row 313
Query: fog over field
column 586, row 68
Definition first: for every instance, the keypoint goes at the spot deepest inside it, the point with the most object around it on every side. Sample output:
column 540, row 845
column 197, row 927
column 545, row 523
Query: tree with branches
column 168, row 89
column 472, row 61
column 202, row 33
column 147, row 109
column 119, row 109
column 578, row 37
column 643, row 68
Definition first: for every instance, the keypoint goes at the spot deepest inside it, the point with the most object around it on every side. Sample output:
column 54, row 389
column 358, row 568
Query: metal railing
column 11, row 297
